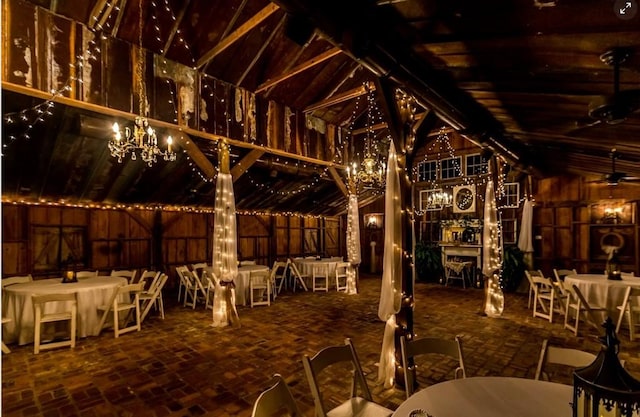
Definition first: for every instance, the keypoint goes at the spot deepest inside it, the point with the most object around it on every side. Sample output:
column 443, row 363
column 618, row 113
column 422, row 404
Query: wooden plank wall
column 147, row 239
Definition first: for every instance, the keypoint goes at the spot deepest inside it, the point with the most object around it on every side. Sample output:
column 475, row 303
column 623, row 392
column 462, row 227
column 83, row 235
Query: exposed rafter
column 175, row 27
column 194, row 152
column 237, row 34
column 299, row 68
column 245, row 163
column 261, row 51
column 339, row 98
column 339, row 182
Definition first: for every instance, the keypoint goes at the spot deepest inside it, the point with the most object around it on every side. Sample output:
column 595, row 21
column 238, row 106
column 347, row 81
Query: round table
column 92, row 293
column 491, row 396
column 242, row 282
column 602, row 291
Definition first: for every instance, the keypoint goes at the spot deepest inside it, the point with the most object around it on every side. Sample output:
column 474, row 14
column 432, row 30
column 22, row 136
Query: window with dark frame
column 451, row 168
column 427, row 171
column 476, row 164
column 509, row 231
column 511, row 194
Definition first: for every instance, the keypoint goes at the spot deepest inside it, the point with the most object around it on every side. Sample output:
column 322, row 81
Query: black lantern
column 604, row 387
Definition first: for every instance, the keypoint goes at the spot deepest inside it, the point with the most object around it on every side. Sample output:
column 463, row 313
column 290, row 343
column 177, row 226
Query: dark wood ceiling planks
column 511, row 76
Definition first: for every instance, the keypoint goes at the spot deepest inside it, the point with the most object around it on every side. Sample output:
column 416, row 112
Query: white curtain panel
column 525, row 239
column 225, row 253
column 492, row 254
column 391, row 289
column 353, row 243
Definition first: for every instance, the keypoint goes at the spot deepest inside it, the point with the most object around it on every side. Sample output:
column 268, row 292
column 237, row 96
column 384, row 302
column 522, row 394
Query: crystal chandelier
column 372, row 171
column 437, row 199
column 141, row 137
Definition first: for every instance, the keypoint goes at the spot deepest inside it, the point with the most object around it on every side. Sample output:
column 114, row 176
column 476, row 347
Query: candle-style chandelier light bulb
column 142, row 138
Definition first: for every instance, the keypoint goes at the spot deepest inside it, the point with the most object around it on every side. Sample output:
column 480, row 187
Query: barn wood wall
column 147, row 239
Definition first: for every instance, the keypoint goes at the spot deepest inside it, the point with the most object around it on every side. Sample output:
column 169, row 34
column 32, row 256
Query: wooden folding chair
column 41, row 316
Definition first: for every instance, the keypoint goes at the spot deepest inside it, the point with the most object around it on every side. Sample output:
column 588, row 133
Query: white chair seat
column 359, row 407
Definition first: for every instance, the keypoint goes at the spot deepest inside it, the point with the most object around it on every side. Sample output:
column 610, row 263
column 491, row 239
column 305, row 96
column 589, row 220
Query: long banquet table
column 602, row 291
column 17, row 305
column 491, row 397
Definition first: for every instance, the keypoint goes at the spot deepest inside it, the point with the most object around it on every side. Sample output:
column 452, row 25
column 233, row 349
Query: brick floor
column 181, row 366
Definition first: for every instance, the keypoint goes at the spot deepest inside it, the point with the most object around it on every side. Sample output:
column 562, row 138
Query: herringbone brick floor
column 181, row 366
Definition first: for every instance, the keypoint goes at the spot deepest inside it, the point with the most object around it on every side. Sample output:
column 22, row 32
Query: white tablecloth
column 242, row 282
column 92, row 292
column 602, row 291
column 305, row 266
column 491, row 397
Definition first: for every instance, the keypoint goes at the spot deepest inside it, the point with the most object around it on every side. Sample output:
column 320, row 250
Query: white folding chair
column 41, row 316
column 5, row 348
column 277, row 400
column 630, row 308
column 529, row 274
column 429, row 345
column 341, row 275
column 86, row 274
column 260, row 288
column 129, row 274
column 561, row 356
column 126, row 299
column 297, row 276
column 544, row 293
column 576, row 302
column 355, row 405
column 149, row 278
column 320, row 277
column 279, row 276
column 16, row 280
column 559, row 274
column 191, row 288
column 210, row 283
column 153, row 297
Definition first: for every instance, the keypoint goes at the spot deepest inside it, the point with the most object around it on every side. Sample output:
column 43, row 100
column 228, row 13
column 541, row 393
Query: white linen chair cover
column 429, row 345
column 41, row 316
column 630, row 308
column 561, row 356
column 356, row 405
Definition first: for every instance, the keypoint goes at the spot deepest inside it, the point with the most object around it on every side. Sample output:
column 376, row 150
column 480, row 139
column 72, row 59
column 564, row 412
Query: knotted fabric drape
column 225, row 253
column 525, row 240
column 391, row 289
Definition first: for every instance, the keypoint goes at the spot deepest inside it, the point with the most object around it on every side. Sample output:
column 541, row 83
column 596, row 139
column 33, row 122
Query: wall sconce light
column 373, row 220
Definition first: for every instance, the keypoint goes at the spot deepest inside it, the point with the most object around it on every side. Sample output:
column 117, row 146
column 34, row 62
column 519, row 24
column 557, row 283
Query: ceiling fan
column 615, row 177
column 614, row 108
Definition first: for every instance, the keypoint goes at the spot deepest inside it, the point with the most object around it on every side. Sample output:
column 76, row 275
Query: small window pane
column 427, row 171
column 451, row 168
column 509, row 231
column 511, row 194
column 476, row 165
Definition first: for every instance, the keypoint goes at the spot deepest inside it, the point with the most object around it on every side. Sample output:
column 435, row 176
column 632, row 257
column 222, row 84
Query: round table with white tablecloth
column 242, row 281
column 491, row 397
column 91, row 293
column 602, row 291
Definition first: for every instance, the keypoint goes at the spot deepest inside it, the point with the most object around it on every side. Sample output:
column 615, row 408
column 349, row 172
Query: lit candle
column 169, row 142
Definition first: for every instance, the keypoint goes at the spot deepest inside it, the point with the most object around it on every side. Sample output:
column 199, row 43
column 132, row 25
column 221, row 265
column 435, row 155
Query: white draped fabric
column 353, row 243
column 492, row 254
column 391, row 290
column 525, row 240
column 225, row 253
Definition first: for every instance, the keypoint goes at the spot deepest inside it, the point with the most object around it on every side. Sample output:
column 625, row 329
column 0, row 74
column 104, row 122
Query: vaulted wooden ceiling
column 516, row 77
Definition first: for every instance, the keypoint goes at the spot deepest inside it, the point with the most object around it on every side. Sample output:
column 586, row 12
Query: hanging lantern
column 604, row 388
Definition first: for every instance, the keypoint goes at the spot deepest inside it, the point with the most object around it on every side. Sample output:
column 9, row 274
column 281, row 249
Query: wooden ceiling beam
column 86, row 106
column 174, row 28
column 116, row 26
column 339, row 98
column 237, row 34
column 245, row 163
column 299, row 68
column 338, row 180
column 261, row 51
column 376, row 127
column 96, row 12
column 194, row 152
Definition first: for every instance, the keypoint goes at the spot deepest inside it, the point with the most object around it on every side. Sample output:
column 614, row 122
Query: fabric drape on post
column 525, row 239
column 353, row 243
column 225, row 253
column 492, row 254
column 391, row 289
